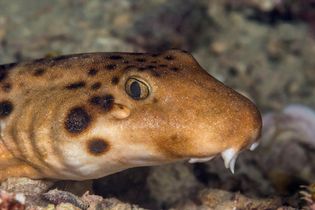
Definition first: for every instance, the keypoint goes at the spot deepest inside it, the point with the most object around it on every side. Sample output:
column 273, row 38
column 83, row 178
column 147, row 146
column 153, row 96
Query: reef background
column 263, row 48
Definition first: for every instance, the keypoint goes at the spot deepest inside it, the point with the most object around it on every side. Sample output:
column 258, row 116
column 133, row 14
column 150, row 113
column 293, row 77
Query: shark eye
column 137, row 89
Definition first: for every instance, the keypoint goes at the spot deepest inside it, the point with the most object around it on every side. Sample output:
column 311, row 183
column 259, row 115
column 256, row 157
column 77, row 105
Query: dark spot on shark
column 169, row 57
column 77, row 120
column 76, row 85
column 115, row 57
column 97, row 146
column 141, row 60
column 4, row 69
column 105, row 102
column 115, row 80
column 111, row 66
column 6, row 87
column 6, row 107
column 39, row 72
column 92, row 72
column 96, row 86
column 175, row 69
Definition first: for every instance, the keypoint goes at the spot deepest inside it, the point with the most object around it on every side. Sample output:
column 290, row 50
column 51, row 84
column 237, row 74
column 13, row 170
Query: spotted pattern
column 104, row 102
column 39, row 72
column 76, row 85
column 77, row 120
column 150, row 67
column 155, row 55
column 6, row 87
column 141, row 60
column 4, row 69
column 142, row 68
column 111, row 66
column 169, row 57
column 62, row 57
column 97, row 146
column 85, row 86
column 96, row 86
column 115, row 57
column 3, row 74
column 6, row 107
column 92, row 72
column 155, row 73
column 115, row 80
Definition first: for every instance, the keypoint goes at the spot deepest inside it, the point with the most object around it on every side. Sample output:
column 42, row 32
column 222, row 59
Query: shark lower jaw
column 229, row 157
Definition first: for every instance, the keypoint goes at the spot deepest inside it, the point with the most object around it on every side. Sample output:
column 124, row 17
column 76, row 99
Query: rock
column 114, row 204
column 222, row 200
column 31, row 189
column 11, row 201
column 57, row 197
column 170, row 184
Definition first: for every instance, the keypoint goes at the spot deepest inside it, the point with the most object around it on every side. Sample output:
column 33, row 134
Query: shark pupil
column 135, row 90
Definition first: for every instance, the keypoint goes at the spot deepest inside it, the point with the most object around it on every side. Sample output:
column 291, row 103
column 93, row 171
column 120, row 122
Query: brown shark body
column 89, row 115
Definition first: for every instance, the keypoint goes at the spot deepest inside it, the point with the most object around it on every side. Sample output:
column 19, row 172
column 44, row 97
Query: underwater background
column 265, row 49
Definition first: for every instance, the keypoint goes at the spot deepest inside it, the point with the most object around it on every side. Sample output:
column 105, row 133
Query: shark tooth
column 253, row 146
column 200, row 160
column 232, row 164
column 229, row 156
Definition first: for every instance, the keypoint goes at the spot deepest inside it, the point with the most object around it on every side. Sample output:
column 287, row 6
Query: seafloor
column 263, row 48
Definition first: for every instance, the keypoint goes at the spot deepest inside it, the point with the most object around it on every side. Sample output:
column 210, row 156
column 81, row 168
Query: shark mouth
column 229, row 156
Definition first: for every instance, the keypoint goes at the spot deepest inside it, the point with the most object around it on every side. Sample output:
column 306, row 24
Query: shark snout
column 248, row 136
column 240, row 130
